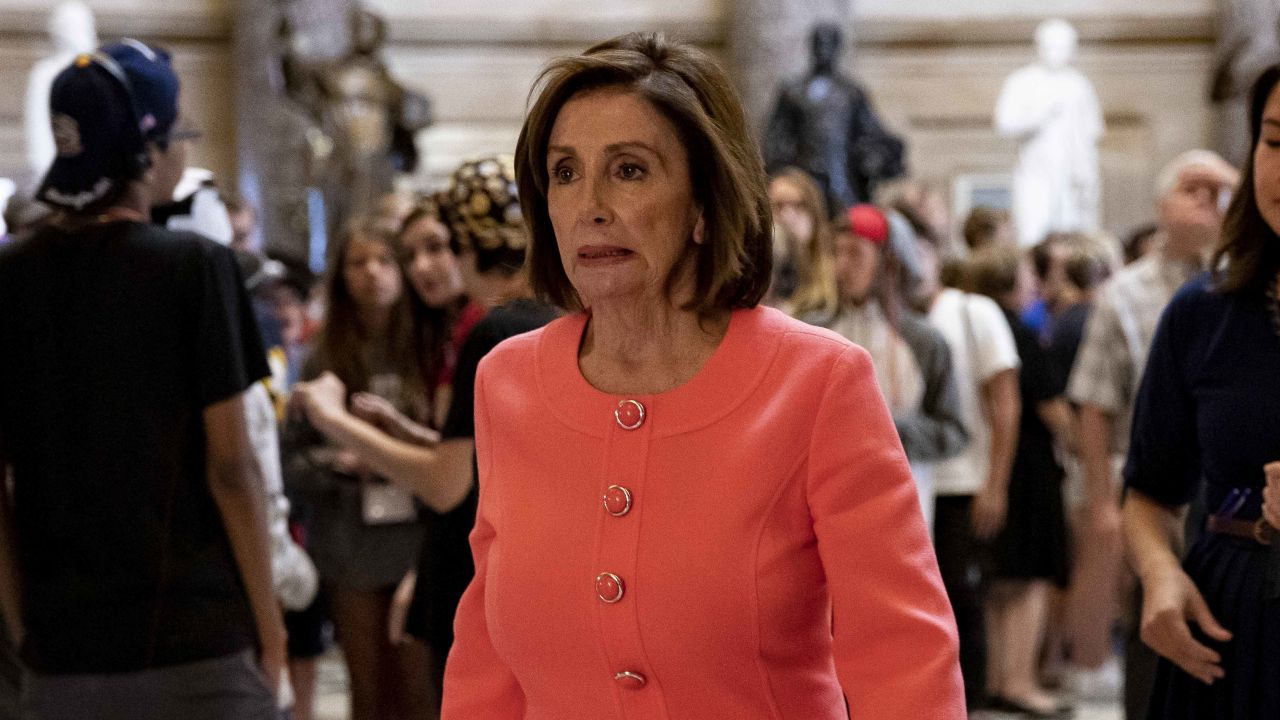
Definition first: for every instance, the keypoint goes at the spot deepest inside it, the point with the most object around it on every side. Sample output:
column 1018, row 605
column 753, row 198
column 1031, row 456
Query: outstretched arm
column 441, row 476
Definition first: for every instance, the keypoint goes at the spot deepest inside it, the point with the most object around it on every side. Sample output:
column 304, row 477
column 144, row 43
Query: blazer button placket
column 615, row 589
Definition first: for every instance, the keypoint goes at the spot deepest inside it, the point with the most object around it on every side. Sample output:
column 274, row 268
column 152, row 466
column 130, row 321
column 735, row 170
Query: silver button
column 628, row 679
column 609, row 588
column 617, row 500
column 629, row 414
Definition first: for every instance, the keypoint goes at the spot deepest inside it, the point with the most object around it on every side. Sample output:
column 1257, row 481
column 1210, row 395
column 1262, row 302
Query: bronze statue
column 823, row 124
column 364, row 122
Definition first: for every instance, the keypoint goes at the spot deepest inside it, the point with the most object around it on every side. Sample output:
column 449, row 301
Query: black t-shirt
column 1037, row 383
column 114, row 339
column 445, row 566
column 1064, row 341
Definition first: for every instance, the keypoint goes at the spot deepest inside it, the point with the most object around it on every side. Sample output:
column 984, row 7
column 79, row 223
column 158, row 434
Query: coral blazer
column 748, row 545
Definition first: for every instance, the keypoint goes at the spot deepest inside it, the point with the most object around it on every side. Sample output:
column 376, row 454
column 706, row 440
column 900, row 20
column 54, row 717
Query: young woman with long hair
column 1206, row 422
column 364, row 532
column 803, row 279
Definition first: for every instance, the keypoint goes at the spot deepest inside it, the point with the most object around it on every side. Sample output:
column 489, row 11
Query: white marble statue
column 72, row 30
column 1051, row 109
column 7, row 189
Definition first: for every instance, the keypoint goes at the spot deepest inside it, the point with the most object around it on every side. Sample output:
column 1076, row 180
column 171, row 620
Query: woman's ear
column 700, row 229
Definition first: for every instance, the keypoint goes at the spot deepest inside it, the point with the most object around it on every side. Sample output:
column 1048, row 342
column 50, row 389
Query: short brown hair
column 982, row 225
column 733, row 266
column 1090, row 259
column 993, row 271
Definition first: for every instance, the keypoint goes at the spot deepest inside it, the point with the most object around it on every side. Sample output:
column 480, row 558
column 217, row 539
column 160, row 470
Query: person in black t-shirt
column 442, row 474
column 134, row 564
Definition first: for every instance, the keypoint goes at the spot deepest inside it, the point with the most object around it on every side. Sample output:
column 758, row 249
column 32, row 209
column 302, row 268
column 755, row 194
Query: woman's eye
column 562, row 174
column 630, row 171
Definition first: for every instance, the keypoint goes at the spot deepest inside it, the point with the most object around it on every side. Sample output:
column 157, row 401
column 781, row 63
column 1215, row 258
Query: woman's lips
column 603, row 253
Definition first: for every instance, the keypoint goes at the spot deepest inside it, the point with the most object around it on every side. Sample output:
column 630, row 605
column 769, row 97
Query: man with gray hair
column 1192, row 195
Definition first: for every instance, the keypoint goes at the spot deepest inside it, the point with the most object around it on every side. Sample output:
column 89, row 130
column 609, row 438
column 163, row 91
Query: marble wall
column 933, row 67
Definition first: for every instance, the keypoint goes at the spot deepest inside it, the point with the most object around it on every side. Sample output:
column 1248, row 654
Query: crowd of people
column 618, row 426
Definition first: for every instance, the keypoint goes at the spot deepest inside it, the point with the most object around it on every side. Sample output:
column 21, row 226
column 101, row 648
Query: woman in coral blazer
column 691, row 507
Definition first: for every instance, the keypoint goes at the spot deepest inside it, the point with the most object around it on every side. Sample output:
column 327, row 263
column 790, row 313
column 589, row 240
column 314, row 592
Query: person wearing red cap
column 874, row 261
column 134, row 551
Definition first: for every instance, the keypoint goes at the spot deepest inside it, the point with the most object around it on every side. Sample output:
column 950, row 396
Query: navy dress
column 1033, row 543
column 1208, row 414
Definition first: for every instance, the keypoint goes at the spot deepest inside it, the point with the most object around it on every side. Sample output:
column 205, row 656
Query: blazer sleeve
column 895, row 642
column 477, row 683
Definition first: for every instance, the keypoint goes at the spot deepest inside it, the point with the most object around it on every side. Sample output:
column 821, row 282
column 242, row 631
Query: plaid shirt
column 1118, row 336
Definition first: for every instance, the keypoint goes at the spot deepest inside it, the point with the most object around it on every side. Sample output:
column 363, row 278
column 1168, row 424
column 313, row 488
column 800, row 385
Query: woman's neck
column 375, row 323
column 647, row 349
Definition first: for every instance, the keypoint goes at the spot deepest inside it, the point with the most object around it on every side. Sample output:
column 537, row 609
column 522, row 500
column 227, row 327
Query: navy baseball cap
column 104, row 109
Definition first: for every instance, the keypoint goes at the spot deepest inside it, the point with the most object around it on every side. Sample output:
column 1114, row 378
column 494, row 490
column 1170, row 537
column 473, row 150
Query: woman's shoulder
column 1198, row 291
column 519, row 349
column 800, row 343
column 772, row 321
column 1198, row 300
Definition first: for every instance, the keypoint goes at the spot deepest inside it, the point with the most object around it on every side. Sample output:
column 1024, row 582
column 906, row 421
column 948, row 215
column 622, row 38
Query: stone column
column 769, row 41
column 270, row 133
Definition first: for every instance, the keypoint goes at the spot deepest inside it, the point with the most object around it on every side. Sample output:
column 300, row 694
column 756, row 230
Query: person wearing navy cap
column 134, row 565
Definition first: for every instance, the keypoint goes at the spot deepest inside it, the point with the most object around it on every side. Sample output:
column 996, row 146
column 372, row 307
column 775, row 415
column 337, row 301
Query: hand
column 399, row 613
column 1170, row 599
column 350, row 463
column 989, row 509
column 326, row 395
column 379, row 412
column 1271, row 495
column 274, row 655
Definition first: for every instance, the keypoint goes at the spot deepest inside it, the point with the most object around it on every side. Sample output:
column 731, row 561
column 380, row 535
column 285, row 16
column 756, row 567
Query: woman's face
column 433, row 268
column 372, row 275
column 856, row 261
column 790, row 213
column 619, row 197
column 1266, row 163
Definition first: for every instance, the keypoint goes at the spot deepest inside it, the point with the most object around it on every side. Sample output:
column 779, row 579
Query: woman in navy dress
column 1208, row 419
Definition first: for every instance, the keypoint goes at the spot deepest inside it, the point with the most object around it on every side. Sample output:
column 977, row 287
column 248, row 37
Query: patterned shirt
column 1118, row 336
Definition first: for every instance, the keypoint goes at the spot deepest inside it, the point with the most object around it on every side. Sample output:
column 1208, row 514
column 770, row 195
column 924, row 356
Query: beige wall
column 933, row 67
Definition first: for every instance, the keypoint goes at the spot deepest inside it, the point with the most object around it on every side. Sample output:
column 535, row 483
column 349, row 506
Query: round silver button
column 629, row 414
column 617, row 500
column 609, row 588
